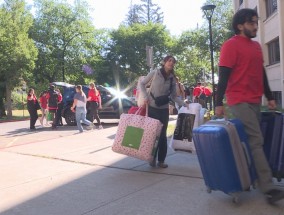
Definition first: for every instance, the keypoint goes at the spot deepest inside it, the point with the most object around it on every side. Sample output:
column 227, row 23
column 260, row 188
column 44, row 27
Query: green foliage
column 128, row 48
column 144, row 13
column 19, row 98
column 194, row 58
column 17, row 50
column 66, row 40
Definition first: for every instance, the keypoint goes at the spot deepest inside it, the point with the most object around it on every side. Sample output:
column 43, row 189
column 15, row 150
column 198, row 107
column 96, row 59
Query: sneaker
column 274, row 195
column 100, row 127
column 162, row 165
column 90, row 127
column 152, row 163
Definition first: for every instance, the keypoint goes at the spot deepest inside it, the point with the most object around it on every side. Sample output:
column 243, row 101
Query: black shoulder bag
column 165, row 99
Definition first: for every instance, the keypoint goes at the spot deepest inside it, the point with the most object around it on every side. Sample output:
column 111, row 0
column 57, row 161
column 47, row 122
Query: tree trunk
column 8, row 101
column 2, row 108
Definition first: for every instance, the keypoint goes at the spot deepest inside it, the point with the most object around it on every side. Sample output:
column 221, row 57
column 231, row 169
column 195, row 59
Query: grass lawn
column 19, row 115
column 170, row 129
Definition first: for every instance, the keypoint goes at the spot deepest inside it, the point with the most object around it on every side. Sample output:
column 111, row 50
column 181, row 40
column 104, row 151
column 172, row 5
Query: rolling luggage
column 272, row 130
column 224, row 156
column 137, row 136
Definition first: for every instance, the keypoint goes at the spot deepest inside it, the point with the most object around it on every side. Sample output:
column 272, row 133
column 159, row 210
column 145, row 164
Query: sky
column 179, row 15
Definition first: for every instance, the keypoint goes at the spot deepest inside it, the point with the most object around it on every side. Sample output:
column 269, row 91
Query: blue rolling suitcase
column 224, row 156
column 272, row 130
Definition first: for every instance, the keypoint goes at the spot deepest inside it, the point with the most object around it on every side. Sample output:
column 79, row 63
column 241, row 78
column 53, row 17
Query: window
column 278, row 98
column 271, row 7
column 274, row 51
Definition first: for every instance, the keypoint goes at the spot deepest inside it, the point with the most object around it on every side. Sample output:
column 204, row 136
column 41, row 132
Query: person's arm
column 144, row 82
column 89, row 95
column 174, row 96
column 183, row 91
column 267, row 91
column 74, row 104
column 224, row 74
column 100, row 100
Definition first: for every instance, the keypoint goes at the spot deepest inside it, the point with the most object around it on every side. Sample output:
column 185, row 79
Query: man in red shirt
column 208, row 96
column 243, row 79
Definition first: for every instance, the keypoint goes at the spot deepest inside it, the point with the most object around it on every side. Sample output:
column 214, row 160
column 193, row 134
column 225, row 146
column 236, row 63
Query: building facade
column 271, row 37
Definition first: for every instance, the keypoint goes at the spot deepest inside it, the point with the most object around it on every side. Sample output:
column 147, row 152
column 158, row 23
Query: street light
column 208, row 12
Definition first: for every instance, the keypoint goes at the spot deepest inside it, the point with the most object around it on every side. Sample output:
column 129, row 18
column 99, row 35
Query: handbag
column 137, row 136
column 188, row 119
column 37, row 105
column 164, row 99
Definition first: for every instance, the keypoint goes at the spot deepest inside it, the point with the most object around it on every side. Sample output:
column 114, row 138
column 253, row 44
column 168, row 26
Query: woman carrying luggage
column 162, row 89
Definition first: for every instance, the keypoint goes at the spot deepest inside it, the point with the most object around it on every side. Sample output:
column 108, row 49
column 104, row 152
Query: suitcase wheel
column 279, row 179
column 235, row 196
column 236, row 199
column 209, row 190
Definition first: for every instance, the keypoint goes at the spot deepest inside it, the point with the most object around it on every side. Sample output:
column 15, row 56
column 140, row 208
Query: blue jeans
column 81, row 115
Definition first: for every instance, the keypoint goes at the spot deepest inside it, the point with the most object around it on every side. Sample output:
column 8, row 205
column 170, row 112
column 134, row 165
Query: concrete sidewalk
column 79, row 174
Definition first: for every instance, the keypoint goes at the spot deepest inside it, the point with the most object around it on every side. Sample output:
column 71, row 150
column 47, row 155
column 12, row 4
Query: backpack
column 53, row 99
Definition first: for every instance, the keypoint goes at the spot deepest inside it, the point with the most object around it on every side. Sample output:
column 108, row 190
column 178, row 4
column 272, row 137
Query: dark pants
column 59, row 115
column 33, row 118
column 163, row 116
column 94, row 112
column 54, row 114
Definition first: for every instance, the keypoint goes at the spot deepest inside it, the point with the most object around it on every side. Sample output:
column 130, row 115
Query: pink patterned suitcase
column 137, row 136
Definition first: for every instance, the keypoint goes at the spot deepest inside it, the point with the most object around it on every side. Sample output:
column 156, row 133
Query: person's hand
column 72, row 109
column 271, row 105
column 146, row 102
column 100, row 107
column 187, row 105
column 219, row 111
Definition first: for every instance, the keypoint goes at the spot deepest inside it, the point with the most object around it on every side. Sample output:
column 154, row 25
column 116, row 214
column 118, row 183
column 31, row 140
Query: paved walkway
column 78, row 174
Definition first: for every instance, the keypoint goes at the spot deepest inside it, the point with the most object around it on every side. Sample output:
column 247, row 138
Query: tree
column 17, row 50
column 66, row 40
column 145, row 13
column 195, row 43
column 127, row 52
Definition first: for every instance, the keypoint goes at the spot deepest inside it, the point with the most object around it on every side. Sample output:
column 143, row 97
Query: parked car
column 114, row 103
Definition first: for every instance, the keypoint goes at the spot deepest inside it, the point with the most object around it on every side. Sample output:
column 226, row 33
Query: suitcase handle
column 246, row 154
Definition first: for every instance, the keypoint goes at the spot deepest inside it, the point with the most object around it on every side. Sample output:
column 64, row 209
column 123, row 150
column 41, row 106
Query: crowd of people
column 51, row 105
column 240, row 60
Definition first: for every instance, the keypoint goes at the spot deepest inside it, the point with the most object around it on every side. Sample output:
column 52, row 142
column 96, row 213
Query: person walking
column 59, row 110
column 162, row 87
column 242, row 78
column 43, row 104
column 79, row 102
column 32, row 108
column 52, row 100
column 95, row 103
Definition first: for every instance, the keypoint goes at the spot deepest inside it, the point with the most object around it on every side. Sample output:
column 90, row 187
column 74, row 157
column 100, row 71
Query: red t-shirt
column 197, row 90
column 43, row 102
column 207, row 91
column 59, row 97
column 94, row 96
column 244, row 57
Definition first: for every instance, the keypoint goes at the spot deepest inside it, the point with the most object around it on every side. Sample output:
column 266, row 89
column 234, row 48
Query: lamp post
column 208, row 12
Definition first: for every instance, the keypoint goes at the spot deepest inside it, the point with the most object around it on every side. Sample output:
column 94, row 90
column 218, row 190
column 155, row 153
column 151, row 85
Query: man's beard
column 249, row 34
